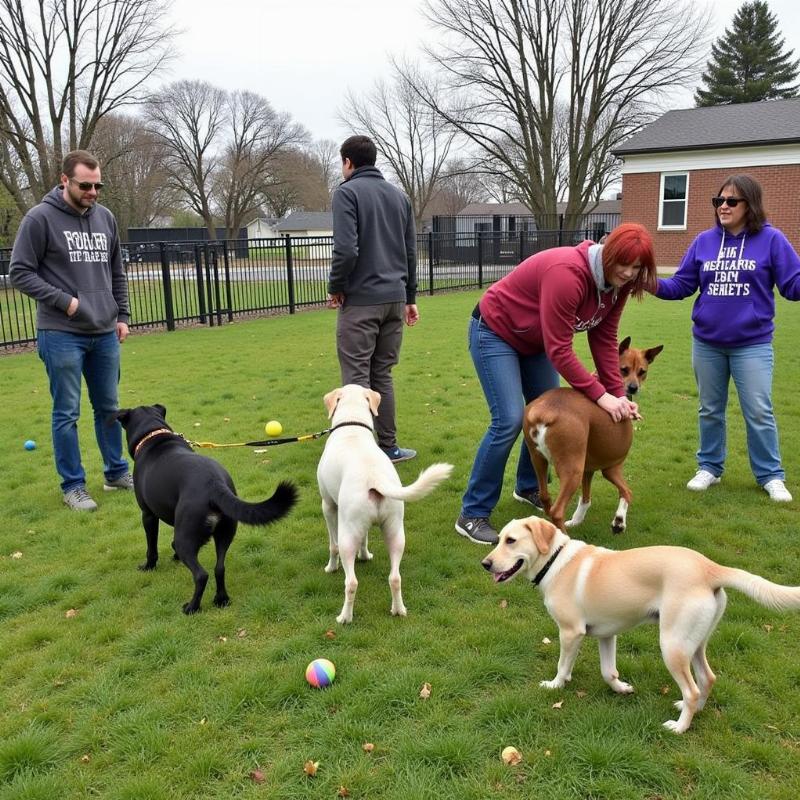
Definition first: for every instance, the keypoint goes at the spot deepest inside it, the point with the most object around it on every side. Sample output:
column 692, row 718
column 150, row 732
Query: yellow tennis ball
column 273, row 428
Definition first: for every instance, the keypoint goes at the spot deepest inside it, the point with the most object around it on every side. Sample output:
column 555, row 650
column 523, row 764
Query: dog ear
column 121, row 415
column 624, row 344
column 542, row 532
column 651, row 353
column 330, row 400
column 161, row 410
column 374, row 400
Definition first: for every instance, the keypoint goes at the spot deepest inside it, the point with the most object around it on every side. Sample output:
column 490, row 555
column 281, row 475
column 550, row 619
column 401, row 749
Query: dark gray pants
column 368, row 342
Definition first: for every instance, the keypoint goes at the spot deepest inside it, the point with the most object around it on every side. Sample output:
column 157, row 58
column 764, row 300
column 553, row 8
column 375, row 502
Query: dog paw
column 554, row 684
column 620, row 687
column 399, row 611
column 365, row 556
column 332, row 566
column 344, row 619
column 147, row 566
column 189, row 608
column 221, row 602
column 675, row 726
column 618, row 525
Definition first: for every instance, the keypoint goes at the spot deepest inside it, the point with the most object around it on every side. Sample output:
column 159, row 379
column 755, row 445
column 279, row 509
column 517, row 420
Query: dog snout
column 632, row 388
column 487, row 563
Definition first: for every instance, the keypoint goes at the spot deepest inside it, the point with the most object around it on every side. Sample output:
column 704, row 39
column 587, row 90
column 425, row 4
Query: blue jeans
column 751, row 369
column 509, row 381
column 66, row 357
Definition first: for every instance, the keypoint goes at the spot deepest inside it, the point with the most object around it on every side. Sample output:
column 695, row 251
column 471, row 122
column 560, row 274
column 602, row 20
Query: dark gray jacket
column 60, row 254
column 374, row 242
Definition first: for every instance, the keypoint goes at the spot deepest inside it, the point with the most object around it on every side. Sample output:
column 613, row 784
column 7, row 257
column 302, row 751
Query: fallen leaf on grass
column 241, row 633
column 425, row 691
column 768, row 628
column 546, row 641
column 203, row 721
column 580, row 693
column 16, row 554
column 511, row 756
column 310, row 768
column 330, row 634
column 504, row 604
column 70, row 613
column 547, row 753
column 343, row 792
column 257, row 776
column 367, row 747
column 222, row 639
column 558, row 704
column 260, row 451
column 85, row 758
column 197, row 424
column 664, row 689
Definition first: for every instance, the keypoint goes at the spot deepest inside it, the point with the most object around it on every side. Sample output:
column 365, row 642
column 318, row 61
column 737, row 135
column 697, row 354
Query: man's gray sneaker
column 529, row 496
column 78, row 499
column 397, row 454
column 123, row 482
column 477, row 529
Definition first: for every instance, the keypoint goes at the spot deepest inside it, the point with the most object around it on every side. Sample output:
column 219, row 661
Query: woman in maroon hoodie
column 520, row 339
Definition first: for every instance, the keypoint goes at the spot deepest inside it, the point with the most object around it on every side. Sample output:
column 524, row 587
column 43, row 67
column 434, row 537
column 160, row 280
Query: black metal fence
column 173, row 284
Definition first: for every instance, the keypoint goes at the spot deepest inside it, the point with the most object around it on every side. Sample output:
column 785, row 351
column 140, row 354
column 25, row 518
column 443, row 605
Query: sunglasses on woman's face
column 718, row 202
column 86, row 186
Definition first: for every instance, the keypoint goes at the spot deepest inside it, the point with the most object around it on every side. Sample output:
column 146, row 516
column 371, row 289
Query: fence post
column 290, row 274
column 201, row 295
column 480, row 259
column 166, row 282
column 209, row 289
column 521, row 247
column 430, row 262
column 228, row 292
column 560, row 230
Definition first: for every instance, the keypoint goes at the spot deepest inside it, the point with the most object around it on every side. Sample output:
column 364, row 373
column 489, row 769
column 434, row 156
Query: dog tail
column 428, row 480
column 771, row 595
column 262, row 513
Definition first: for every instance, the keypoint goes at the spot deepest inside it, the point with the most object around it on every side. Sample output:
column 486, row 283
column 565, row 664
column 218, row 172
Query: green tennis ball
column 273, row 428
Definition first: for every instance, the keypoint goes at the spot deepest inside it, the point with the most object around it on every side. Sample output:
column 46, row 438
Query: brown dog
column 566, row 429
column 593, row 591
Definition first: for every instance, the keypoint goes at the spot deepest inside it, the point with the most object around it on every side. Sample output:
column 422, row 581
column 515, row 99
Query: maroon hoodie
column 540, row 304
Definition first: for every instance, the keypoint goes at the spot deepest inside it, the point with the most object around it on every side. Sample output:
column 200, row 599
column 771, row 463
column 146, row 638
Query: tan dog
column 592, row 591
column 566, row 429
column 359, row 486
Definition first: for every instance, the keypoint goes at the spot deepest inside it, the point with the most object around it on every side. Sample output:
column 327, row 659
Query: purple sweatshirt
column 736, row 276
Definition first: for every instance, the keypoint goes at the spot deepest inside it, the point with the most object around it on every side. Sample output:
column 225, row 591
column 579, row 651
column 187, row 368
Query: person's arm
column 119, row 286
column 345, row 241
column 29, row 249
column 411, row 260
column 604, row 346
column 560, row 294
column 685, row 281
column 785, row 266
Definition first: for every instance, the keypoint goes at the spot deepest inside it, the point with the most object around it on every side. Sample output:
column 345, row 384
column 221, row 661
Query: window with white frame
column 674, row 194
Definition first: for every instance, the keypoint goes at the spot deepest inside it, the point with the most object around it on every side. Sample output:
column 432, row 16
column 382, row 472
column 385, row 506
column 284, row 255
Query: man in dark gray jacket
column 373, row 280
column 67, row 257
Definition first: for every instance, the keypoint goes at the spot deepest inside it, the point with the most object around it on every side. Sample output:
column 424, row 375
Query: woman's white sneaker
column 777, row 491
column 702, row 480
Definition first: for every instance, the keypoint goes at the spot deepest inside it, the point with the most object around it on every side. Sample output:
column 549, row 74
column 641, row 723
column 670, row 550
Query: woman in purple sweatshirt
column 735, row 266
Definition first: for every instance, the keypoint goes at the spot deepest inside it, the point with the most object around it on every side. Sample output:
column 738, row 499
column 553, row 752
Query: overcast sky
column 303, row 54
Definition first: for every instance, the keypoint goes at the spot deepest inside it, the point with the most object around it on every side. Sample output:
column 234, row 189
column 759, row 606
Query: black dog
column 192, row 493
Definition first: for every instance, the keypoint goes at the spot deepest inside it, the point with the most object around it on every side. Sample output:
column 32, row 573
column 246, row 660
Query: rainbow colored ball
column 320, row 673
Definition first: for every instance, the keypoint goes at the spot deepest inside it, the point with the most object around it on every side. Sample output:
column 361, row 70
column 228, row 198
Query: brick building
column 674, row 166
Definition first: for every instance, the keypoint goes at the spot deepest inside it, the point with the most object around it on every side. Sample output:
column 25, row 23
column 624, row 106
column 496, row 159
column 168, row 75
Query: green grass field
column 109, row 691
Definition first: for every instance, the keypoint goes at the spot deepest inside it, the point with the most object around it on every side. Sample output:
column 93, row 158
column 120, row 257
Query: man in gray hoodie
column 373, row 280
column 67, row 257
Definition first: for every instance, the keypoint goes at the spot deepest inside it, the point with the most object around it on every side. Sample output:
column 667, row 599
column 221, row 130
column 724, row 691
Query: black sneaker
column 530, row 496
column 477, row 529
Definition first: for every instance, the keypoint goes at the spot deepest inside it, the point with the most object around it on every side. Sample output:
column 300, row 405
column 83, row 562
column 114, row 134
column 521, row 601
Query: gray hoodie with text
column 60, row 254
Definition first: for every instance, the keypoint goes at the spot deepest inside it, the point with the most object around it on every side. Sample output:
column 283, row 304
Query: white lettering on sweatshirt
column 85, row 247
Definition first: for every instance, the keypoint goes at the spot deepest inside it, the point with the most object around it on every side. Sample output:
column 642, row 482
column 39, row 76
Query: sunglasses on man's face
column 718, row 202
column 86, row 186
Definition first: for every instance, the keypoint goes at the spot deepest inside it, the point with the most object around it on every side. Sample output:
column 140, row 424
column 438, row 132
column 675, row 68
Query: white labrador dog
column 359, row 486
column 592, row 591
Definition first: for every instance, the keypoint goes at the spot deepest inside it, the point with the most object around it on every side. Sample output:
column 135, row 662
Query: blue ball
column 30, row 445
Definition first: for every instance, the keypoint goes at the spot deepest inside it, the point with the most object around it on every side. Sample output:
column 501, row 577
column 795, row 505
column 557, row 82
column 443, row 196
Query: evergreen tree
column 748, row 63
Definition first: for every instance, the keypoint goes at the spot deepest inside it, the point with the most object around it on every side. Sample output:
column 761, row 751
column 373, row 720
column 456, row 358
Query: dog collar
column 345, row 424
column 151, row 435
column 546, row 568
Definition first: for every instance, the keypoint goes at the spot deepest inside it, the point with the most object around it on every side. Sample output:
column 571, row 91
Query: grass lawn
column 109, row 691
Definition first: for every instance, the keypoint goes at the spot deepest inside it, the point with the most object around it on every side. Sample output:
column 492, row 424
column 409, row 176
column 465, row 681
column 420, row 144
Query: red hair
column 627, row 244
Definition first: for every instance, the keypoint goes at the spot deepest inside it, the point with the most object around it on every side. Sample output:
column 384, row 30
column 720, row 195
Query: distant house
column 510, row 218
column 263, row 228
column 674, row 166
column 306, row 223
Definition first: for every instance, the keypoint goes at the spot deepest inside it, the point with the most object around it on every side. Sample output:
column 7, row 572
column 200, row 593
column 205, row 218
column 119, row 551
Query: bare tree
column 298, row 180
column 460, row 184
column 326, row 152
column 257, row 135
column 64, row 65
column 409, row 134
column 548, row 88
column 188, row 118
column 136, row 188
